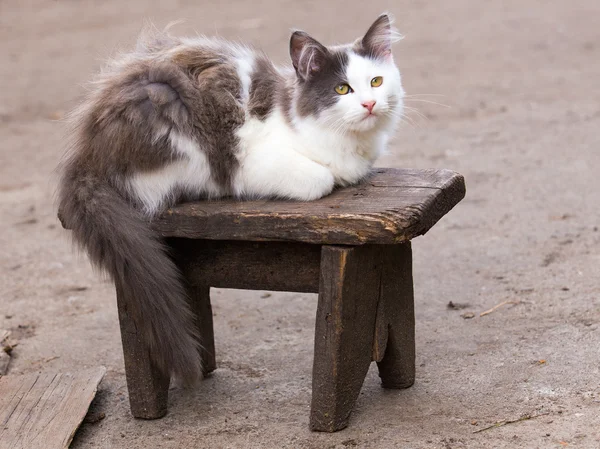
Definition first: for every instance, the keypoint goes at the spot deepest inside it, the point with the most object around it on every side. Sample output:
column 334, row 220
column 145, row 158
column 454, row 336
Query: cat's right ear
column 308, row 55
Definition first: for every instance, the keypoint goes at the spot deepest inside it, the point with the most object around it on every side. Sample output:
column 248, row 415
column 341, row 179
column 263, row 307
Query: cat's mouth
column 365, row 122
column 369, row 116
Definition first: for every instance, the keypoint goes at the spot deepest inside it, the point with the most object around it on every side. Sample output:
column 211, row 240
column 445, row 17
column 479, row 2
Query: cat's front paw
column 310, row 186
column 289, row 175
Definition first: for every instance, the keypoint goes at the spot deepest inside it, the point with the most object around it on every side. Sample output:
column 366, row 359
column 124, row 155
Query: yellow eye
column 342, row 89
column 377, row 81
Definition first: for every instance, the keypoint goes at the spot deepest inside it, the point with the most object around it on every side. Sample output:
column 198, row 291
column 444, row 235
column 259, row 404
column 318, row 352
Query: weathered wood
column 395, row 329
column 43, row 411
column 393, row 206
column 345, row 324
column 4, row 348
column 278, row 266
column 4, row 362
column 413, row 177
column 148, row 387
column 200, row 304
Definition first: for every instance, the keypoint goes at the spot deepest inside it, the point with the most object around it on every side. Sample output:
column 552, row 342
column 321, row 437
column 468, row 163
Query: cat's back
column 243, row 71
column 187, row 66
column 190, row 66
column 199, row 87
column 171, row 109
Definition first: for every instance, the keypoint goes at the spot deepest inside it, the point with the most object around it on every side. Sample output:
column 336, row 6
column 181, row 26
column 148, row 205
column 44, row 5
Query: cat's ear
column 308, row 55
column 377, row 42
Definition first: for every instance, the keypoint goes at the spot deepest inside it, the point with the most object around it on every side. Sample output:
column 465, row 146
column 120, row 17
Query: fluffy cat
column 182, row 119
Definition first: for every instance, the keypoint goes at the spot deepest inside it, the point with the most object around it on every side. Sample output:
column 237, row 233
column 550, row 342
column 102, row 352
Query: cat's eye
column 377, row 81
column 343, row 89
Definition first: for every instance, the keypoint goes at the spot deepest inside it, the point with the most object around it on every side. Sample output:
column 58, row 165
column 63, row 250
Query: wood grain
column 43, row 411
column 277, row 266
column 393, row 206
column 199, row 297
column 4, row 356
column 395, row 330
column 148, row 387
column 344, row 331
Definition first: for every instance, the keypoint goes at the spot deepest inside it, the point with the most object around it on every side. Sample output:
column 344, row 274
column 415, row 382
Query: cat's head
column 355, row 87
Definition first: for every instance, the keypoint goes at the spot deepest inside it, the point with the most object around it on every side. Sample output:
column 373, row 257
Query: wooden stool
column 352, row 247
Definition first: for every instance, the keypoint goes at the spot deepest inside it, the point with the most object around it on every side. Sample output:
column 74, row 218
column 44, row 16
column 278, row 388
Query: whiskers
column 411, row 115
column 415, row 97
column 336, row 125
column 401, row 116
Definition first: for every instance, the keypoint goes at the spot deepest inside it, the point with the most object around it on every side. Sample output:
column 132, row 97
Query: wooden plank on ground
column 43, row 411
column 5, row 349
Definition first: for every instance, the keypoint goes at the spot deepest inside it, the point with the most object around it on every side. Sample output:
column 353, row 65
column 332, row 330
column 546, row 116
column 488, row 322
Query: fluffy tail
column 119, row 241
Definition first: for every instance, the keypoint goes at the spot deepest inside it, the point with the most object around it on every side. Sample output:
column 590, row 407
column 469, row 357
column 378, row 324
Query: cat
column 189, row 118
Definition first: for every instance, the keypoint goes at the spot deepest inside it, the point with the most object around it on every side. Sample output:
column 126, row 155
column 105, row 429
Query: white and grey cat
column 181, row 119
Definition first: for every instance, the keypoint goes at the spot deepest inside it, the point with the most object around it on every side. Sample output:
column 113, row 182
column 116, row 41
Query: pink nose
column 369, row 105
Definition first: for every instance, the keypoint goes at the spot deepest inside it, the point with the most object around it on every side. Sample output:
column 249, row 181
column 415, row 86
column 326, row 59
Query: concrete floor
column 520, row 79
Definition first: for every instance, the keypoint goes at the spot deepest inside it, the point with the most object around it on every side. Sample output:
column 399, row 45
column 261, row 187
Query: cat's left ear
column 308, row 55
column 377, row 42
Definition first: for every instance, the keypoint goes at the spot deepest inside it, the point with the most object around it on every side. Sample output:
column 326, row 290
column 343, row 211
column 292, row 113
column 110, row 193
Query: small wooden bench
column 352, row 247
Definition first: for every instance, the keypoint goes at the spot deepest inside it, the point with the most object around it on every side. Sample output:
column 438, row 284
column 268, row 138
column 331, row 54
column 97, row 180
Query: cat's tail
column 119, row 241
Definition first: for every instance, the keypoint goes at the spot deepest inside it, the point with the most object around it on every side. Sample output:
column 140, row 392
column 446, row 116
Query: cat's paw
column 309, row 186
column 282, row 174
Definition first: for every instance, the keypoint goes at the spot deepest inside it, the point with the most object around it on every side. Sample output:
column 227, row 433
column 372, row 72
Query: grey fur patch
column 118, row 135
column 317, row 92
column 266, row 82
column 208, row 93
column 285, row 101
column 216, row 113
column 125, row 127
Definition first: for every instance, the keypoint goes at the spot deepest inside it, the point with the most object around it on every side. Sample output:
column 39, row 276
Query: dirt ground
column 522, row 124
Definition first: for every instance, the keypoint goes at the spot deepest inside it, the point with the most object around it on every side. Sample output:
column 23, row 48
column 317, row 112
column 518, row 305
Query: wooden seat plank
column 392, row 206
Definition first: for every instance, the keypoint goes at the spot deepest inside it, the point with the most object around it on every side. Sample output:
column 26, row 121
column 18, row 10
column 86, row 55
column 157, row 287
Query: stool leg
column 148, row 387
column 397, row 317
column 345, row 324
column 200, row 304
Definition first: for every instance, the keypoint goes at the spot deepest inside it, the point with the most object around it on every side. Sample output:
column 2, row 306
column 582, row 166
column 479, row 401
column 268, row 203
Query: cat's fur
column 182, row 119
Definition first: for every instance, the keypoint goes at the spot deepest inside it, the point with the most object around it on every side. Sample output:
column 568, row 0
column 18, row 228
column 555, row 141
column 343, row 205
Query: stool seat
column 391, row 206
